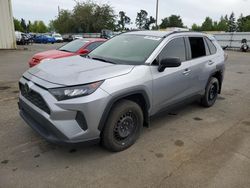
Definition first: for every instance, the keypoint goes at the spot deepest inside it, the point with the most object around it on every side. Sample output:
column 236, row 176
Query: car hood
column 53, row 54
column 77, row 70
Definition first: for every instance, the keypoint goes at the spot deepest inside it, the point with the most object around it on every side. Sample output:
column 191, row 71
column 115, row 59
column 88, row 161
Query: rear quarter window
column 211, row 46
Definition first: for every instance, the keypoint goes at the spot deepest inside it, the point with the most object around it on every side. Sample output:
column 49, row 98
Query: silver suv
column 110, row 94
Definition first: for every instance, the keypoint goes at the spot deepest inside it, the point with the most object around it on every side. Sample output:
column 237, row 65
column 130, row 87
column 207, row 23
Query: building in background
column 7, row 31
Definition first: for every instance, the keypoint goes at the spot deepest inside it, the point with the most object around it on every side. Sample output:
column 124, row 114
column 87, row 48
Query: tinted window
column 175, row 48
column 127, row 49
column 197, row 47
column 93, row 45
column 211, row 46
column 73, row 46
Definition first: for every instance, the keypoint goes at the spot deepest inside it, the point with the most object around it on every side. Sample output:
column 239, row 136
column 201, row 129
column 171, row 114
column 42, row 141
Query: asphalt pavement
column 189, row 147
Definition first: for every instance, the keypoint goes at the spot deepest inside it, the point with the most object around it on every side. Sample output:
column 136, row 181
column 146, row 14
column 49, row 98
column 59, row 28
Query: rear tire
column 123, row 126
column 211, row 92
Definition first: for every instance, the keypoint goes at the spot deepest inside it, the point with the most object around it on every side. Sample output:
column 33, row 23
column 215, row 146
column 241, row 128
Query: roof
column 150, row 33
column 161, row 33
column 93, row 39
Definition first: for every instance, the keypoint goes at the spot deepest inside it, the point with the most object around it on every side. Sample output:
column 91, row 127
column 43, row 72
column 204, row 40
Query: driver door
column 173, row 84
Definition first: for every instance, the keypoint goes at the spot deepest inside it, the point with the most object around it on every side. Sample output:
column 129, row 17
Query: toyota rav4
column 110, row 94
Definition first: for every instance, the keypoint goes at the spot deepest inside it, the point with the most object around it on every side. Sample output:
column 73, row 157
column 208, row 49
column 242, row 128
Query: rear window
column 197, row 47
column 211, row 46
column 73, row 46
column 93, row 45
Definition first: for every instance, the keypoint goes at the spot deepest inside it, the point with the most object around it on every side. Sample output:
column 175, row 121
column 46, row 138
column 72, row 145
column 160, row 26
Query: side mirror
column 83, row 51
column 169, row 62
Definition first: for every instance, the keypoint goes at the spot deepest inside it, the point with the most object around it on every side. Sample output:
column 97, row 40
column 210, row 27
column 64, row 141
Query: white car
column 58, row 37
column 18, row 36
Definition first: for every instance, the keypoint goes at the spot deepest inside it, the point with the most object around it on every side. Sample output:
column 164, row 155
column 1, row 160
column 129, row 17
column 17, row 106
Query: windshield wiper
column 64, row 50
column 103, row 60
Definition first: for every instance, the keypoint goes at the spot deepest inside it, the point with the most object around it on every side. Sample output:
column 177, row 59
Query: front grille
column 35, row 98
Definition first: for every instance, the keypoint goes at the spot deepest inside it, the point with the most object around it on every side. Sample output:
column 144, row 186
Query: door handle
column 210, row 62
column 186, row 71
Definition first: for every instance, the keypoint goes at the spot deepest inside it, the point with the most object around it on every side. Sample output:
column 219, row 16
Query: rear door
column 201, row 62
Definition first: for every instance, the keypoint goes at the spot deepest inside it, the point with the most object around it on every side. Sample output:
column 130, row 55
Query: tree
column 29, row 26
column 86, row 17
column 42, row 28
column 64, row 22
column 17, row 25
column 164, row 23
column 240, row 23
column 105, row 18
column 207, row 25
column 149, row 22
column 246, row 26
column 243, row 23
column 195, row 27
column 23, row 25
column 215, row 26
column 38, row 26
column 172, row 21
column 123, row 20
column 141, row 19
column 231, row 23
column 175, row 21
column 223, row 24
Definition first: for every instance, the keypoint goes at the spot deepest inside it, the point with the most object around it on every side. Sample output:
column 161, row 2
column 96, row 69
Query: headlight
column 74, row 92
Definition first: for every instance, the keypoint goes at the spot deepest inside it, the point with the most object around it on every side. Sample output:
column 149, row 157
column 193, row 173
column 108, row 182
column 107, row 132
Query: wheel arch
column 219, row 75
column 138, row 96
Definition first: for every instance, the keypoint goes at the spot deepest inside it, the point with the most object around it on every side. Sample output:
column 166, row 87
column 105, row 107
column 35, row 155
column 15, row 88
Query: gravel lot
column 189, row 147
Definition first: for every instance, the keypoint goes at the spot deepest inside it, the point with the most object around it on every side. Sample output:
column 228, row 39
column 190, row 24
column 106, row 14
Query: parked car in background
column 26, row 38
column 18, row 37
column 44, row 39
column 23, row 38
column 76, row 47
column 67, row 38
column 77, row 37
column 107, row 34
column 58, row 37
column 111, row 94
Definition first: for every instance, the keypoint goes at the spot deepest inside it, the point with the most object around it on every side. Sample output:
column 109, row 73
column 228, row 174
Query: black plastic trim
column 80, row 119
column 119, row 97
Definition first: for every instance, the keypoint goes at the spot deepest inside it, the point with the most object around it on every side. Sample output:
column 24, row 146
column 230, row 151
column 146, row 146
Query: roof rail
column 174, row 32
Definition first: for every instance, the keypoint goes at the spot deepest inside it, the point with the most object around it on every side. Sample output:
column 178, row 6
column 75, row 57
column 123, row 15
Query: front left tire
column 123, row 126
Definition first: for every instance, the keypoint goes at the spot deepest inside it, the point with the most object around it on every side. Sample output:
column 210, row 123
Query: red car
column 76, row 47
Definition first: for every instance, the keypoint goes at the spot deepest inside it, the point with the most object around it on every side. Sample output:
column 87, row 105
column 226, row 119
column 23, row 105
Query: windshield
column 57, row 35
column 126, row 49
column 73, row 46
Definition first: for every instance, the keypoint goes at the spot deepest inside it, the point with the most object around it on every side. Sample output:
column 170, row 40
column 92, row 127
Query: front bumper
column 61, row 124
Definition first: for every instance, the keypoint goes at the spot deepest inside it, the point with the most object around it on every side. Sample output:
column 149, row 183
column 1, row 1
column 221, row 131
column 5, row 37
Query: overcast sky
column 191, row 11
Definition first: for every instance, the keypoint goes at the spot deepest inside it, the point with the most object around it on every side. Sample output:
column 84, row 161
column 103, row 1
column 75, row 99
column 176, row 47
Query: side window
column 175, row 48
column 211, row 46
column 197, row 47
column 207, row 48
column 93, row 46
